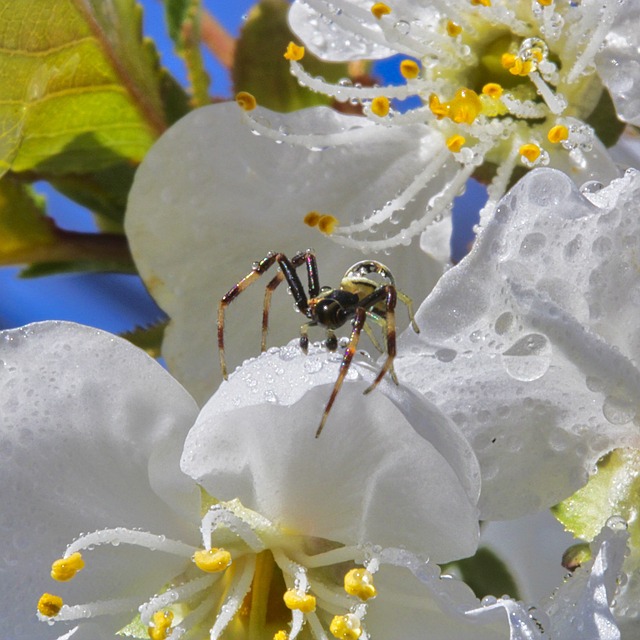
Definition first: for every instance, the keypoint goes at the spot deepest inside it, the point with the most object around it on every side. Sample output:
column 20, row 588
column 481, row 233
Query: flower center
column 506, row 84
column 248, row 580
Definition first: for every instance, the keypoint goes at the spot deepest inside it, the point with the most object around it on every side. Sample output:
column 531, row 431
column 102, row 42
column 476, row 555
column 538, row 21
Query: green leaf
column 485, row 573
column 261, row 69
column 81, row 88
column 613, row 490
column 104, row 192
column 604, row 120
column 148, row 338
column 25, row 230
column 176, row 12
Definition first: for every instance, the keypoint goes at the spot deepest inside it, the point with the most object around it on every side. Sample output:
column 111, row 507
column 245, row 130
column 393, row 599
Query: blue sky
column 118, row 302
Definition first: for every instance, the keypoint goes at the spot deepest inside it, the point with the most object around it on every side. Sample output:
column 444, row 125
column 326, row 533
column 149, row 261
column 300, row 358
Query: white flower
column 210, row 198
column 531, row 344
column 500, row 84
column 581, row 608
column 92, row 432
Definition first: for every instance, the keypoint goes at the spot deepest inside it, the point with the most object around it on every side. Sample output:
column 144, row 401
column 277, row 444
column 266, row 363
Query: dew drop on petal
column 528, row 358
column 619, row 410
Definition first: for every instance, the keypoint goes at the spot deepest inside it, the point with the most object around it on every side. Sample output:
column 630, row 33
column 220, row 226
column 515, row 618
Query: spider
column 358, row 297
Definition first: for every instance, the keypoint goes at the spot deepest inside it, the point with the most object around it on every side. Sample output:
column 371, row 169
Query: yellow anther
column 455, row 142
column 49, row 605
column 346, row 627
column 281, row 635
column 162, row 625
column 312, row 218
column 327, row 224
column 359, row 582
column 453, row 29
column 484, row 3
column 294, row 52
column 508, row 60
column 530, row 151
column 246, row 100
column 558, row 133
column 212, row 560
column 545, row 3
column 295, row 600
column 380, row 9
column 380, row 106
column 409, row 69
column 65, row 568
column 464, row 107
column 493, row 90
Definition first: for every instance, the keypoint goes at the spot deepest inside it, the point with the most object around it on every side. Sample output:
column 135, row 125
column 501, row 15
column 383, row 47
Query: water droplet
column 616, row 523
column 402, row 26
column 591, row 186
column 532, row 243
column 446, row 355
column 619, row 410
column 504, row 323
column 528, row 358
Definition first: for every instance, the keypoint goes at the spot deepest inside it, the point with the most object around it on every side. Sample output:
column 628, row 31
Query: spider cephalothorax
column 358, row 297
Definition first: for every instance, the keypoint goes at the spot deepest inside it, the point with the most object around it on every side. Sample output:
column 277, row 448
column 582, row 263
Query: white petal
column 210, row 198
column 581, row 608
column 618, row 64
column 333, row 42
column 389, row 472
column 529, row 344
column 86, row 421
column 432, row 609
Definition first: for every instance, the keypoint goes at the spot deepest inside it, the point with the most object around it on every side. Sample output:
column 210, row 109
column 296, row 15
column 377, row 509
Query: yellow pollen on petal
column 246, row 100
column 558, row 133
column 65, row 568
column 409, row 69
column 295, row 600
column 359, row 583
column 453, row 29
column 380, row 9
column 281, row 635
column 327, row 224
column 455, row 142
column 493, row 90
column 530, row 151
column 346, row 627
column 49, row 605
column 484, row 3
column 162, row 625
column 380, row 106
column 294, row 52
column 212, row 560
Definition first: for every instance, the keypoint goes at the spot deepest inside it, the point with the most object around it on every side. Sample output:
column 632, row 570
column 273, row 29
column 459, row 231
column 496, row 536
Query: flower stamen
column 346, row 627
column 66, row 568
column 212, row 560
column 294, row 52
column 359, row 583
column 380, row 9
column 49, row 605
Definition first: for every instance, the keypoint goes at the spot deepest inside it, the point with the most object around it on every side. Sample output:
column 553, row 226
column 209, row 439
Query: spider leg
column 304, row 337
column 259, row 268
column 358, row 322
column 331, row 341
column 386, row 293
column 380, row 321
column 403, row 297
column 299, row 259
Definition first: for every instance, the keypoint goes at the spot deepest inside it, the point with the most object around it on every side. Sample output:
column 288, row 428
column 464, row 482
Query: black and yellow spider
column 358, row 297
